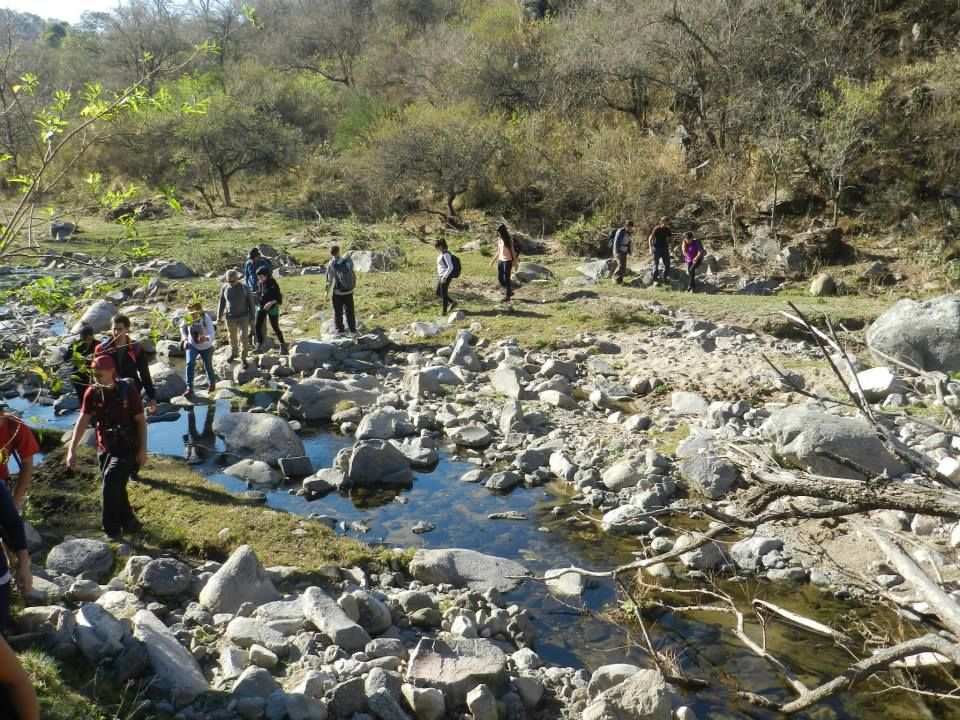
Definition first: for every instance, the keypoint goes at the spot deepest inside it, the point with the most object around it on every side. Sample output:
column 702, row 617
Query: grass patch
column 668, row 441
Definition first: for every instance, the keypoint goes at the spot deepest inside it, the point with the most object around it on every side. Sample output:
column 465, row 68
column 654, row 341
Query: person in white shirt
column 196, row 337
column 444, row 275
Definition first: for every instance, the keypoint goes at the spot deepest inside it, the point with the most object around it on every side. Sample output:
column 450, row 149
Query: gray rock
column 642, row 696
column 255, row 682
column 456, row 665
column 703, row 469
column 324, row 481
column 426, row 703
column 800, row 434
column 688, row 403
column 368, row 261
column 375, row 616
column 528, row 271
column 377, row 462
column 463, row 354
column 472, row 435
column 241, row 579
column 246, row 632
column 97, row 633
column 606, row 676
column 511, row 418
column 558, row 399
column 317, row 398
column 99, row 316
column 384, row 423
column 708, row 557
column 626, row 520
column 482, row 703
column 466, row 568
column 330, row 619
column 165, row 577
column 598, row 269
column 254, row 471
column 564, row 583
column 878, row 383
column 167, row 382
column 348, row 699
column 503, row 481
column 175, row 668
column 823, row 285
column 261, row 435
column 385, row 707
column 746, row 554
column 624, row 474
column 176, row 271
column 296, row 467
column 509, row 381
column 81, row 555
column 925, row 334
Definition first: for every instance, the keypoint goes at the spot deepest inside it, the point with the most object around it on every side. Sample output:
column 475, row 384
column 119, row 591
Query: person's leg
column 501, row 275
column 351, row 315
column 233, row 331
column 191, row 365
column 447, row 302
column 338, row 312
column 508, row 274
column 116, row 512
column 621, row 267
column 656, row 266
column 666, row 267
column 690, row 270
column 6, row 622
column 207, row 357
column 440, row 294
column 243, row 329
column 261, row 319
column 275, row 324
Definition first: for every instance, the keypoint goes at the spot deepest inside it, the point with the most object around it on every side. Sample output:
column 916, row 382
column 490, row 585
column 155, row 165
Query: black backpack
column 457, row 268
column 344, row 278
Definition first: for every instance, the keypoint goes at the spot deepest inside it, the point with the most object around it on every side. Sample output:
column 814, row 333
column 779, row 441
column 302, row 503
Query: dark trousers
column 504, row 268
column 262, row 316
column 658, row 255
column 692, row 271
column 621, row 258
column 343, row 305
column 115, row 471
column 6, row 591
column 443, row 292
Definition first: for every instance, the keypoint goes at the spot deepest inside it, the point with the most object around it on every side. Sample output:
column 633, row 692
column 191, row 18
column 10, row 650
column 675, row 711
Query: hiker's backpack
column 344, row 279
column 614, row 236
column 457, row 267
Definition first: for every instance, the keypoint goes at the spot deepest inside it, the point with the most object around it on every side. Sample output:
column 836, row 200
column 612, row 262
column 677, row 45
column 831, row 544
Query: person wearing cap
column 79, row 354
column 196, row 337
column 659, row 243
column 237, row 304
column 129, row 357
column 17, row 441
column 113, row 405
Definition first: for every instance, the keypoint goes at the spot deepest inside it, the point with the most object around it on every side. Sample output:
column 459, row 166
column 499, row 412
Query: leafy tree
column 445, row 149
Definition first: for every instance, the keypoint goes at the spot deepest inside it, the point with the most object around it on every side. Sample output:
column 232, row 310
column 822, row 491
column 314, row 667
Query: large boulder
column 165, row 577
column 80, row 555
column 264, row 436
column 528, row 271
column 598, row 269
column 703, row 468
column 98, row 634
column 241, row 579
column 167, row 382
column 463, row 354
column 98, row 316
column 472, row 435
column 509, row 381
column 455, row 666
column 878, row 383
column 367, row 261
column 466, row 568
column 176, row 271
column 642, row 696
column 317, row 398
column 925, row 334
column 176, row 669
column 377, row 462
column 254, row 471
column 807, row 438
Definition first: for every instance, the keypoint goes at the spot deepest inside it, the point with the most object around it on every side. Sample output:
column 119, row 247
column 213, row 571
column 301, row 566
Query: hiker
column 79, row 353
column 693, row 254
column 659, row 242
column 506, row 254
column 256, row 262
column 196, row 337
column 342, row 279
column 15, row 545
column 620, row 245
column 113, row 405
column 237, row 306
column 270, row 300
column 18, row 699
column 445, row 273
column 17, row 441
column 129, row 357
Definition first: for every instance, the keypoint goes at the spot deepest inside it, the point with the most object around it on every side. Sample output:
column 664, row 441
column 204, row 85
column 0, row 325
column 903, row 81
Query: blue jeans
column 207, row 357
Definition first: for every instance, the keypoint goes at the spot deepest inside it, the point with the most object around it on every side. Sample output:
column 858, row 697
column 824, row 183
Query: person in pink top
column 693, row 253
column 505, row 257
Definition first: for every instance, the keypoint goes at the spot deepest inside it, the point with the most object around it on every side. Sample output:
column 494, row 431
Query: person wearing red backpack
column 113, row 405
column 18, row 442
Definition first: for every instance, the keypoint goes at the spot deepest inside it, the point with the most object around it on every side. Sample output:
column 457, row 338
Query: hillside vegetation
column 559, row 116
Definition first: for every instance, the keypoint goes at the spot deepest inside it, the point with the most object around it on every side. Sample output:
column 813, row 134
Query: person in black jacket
column 79, row 354
column 270, row 300
column 130, row 358
column 14, row 541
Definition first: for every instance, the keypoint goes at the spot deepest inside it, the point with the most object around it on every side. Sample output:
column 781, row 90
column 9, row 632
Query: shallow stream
column 567, row 635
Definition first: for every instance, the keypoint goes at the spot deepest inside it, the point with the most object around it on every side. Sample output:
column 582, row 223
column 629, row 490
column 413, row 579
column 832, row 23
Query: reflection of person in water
column 199, row 445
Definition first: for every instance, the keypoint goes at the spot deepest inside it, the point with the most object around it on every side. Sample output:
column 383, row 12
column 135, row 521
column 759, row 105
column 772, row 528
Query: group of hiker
column 658, row 243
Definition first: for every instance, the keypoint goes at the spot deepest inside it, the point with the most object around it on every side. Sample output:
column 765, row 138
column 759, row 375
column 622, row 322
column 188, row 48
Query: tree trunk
column 450, row 198
column 225, row 187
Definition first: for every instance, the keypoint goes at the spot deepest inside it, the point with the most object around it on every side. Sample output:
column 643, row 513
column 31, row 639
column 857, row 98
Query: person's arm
column 222, row 303
column 447, row 267
column 83, row 422
column 251, row 305
column 209, row 327
column 496, row 255
column 143, row 369
column 650, row 240
column 19, row 685
column 141, row 422
column 23, row 481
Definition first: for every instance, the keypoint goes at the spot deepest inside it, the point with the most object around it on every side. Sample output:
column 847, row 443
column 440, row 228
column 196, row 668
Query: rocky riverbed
column 638, row 426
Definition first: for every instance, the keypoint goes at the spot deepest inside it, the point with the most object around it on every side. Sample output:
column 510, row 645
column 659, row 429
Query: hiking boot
column 283, row 348
column 211, row 387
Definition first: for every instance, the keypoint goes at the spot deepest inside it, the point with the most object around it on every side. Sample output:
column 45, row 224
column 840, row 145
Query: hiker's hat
column 104, row 362
column 195, row 307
